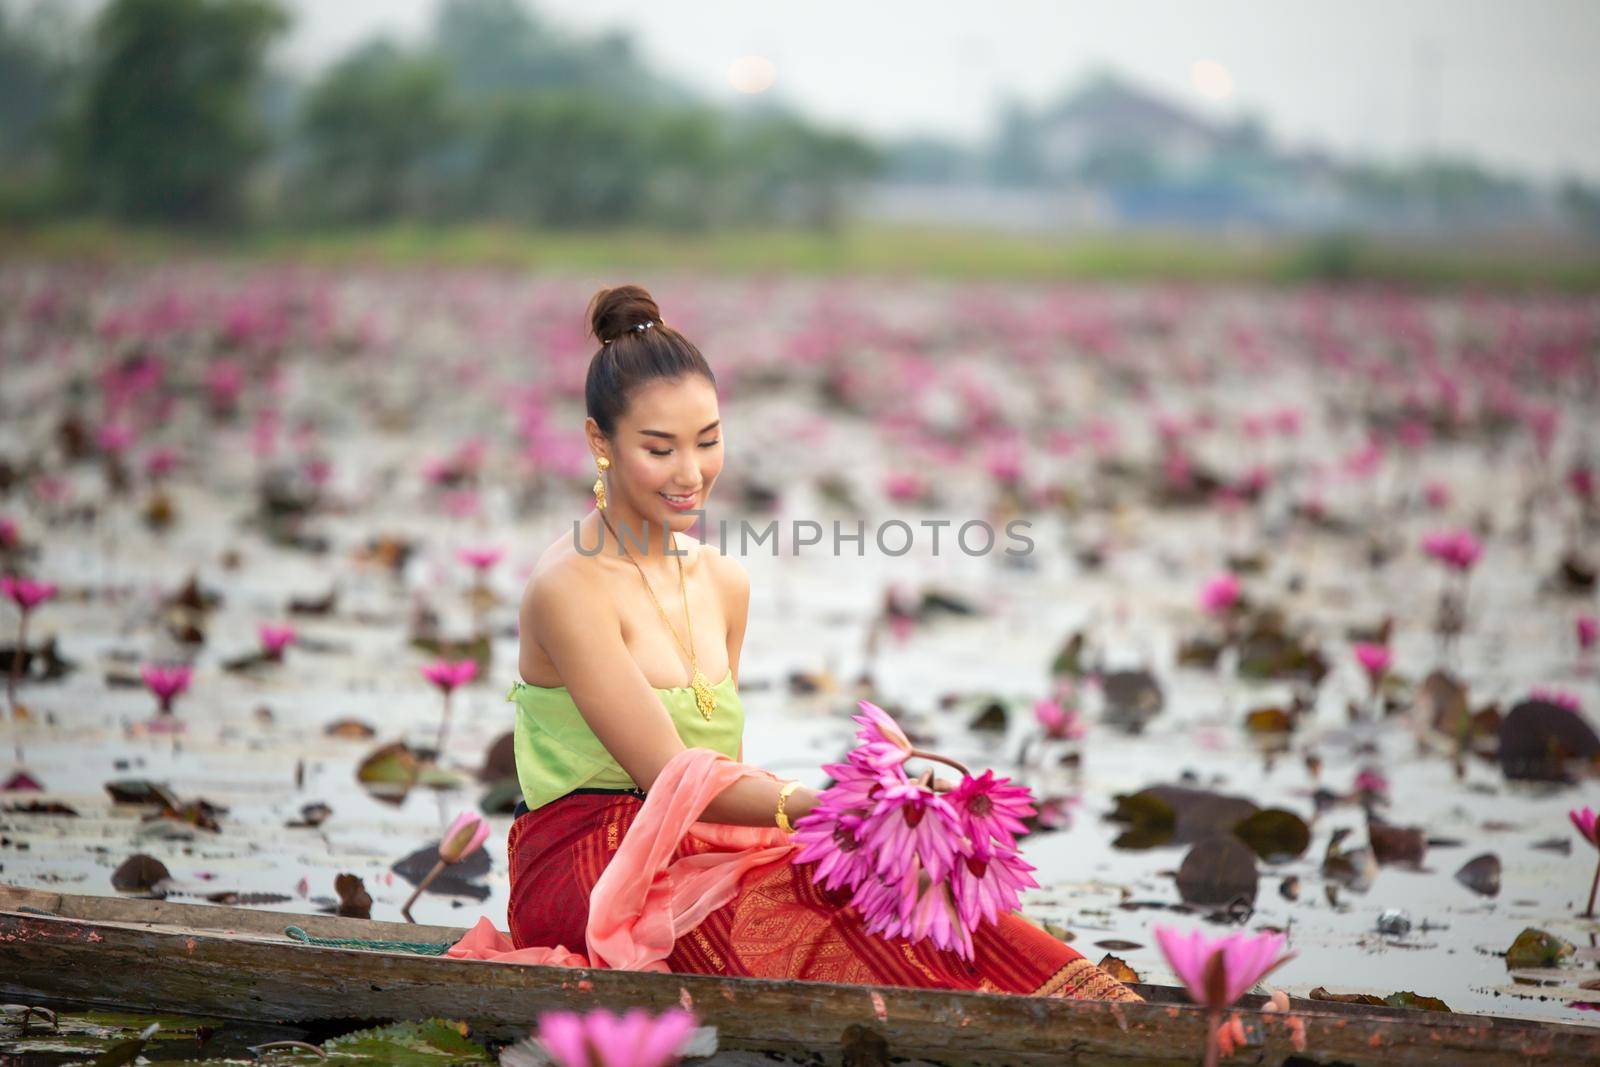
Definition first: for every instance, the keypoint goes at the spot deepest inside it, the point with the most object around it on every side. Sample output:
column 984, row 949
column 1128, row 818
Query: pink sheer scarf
column 645, row 900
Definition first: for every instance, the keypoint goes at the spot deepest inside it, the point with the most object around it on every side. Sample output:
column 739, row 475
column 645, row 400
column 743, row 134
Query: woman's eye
column 668, row 452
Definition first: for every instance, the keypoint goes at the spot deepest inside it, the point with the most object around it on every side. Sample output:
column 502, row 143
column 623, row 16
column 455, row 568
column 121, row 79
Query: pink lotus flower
column 1061, row 724
column 1217, row 973
column 601, row 1039
column 1585, row 820
column 480, row 559
column 449, row 676
column 161, row 462
column 1220, row 594
column 167, row 683
column 991, row 809
column 1374, row 659
column 1457, row 549
column 274, row 638
column 911, row 824
column 885, row 745
column 114, row 439
column 1369, row 782
column 464, row 837
column 1588, row 631
column 26, row 593
column 10, row 536
column 904, row 488
column 989, row 883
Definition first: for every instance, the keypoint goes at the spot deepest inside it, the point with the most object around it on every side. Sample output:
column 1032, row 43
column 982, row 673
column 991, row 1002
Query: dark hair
column 629, row 357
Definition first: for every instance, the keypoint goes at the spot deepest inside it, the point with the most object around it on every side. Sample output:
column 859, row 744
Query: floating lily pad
column 1218, row 871
column 1274, row 834
column 1545, row 742
column 1537, row 948
column 1481, row 874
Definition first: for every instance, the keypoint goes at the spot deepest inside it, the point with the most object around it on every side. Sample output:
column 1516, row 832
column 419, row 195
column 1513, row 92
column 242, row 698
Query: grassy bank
column 861, row 250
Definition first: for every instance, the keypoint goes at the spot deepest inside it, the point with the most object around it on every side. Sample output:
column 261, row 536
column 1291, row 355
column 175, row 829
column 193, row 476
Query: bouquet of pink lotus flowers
column 920, row 863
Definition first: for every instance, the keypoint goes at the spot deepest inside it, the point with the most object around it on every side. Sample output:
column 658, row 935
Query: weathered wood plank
column 186, row 962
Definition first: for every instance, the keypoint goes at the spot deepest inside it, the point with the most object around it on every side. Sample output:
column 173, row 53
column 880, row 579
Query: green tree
column 377, row 135
column 166, row 129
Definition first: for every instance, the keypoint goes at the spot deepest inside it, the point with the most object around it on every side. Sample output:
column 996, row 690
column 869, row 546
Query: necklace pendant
column 704, row 698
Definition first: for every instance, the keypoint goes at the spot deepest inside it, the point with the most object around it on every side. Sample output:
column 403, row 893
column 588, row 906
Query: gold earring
column 602, row 463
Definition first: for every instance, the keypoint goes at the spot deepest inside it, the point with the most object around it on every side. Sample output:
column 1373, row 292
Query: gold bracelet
column 783, row 797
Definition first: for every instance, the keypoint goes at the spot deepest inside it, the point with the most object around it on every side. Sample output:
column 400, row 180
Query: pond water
column 861, row 383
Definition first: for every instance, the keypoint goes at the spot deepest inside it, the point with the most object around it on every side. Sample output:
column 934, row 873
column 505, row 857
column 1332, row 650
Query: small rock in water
column 1394, row 922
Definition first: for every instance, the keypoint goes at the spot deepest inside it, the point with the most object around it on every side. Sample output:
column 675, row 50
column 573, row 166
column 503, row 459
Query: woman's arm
column 578, row 628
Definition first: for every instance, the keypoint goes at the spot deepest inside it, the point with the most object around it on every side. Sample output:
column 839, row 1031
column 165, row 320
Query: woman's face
column 668, row 445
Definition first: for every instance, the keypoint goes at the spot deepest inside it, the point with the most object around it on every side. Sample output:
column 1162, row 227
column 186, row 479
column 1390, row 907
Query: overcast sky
column 1513, row 82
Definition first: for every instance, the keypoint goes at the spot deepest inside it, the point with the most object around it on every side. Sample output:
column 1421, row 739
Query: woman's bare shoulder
column 560, row 578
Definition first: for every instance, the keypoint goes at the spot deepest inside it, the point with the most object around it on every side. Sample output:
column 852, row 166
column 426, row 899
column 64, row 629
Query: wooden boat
column 238, row 963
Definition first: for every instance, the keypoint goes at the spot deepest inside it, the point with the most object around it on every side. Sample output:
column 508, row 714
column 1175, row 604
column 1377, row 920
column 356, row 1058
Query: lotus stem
column 11, row 683
column 1213, row 1046
column 942, row 759
column 444, row 728
column 405, row 909
column 1593, row 886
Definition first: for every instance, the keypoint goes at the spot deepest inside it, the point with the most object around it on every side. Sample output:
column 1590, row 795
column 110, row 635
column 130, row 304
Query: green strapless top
column 557, row 752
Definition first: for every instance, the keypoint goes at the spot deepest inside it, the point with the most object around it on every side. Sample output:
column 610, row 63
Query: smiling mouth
column 685, row 499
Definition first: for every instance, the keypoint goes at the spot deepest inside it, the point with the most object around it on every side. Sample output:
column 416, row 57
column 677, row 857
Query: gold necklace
column 704, row 698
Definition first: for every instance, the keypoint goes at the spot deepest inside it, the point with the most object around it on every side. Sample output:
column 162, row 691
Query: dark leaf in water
column 1481, row 875
column 1444, row 842
column 249, row 661
column 246, row 900
column 1354, row 869
column 1132, row 699
column 1060, row 933
column 139, row 791
column 353, row 729
column 1069, row 660
column 1218, row 870
column 197, row 813
column 322, row 605
column 389, row 772
column 1402, row 846
column 1562, row 845
column 1175, row 814
column 1118, row 968
column 501, row 759
column 1320, row 993
column 1268, row 721
column 139, row 874
column 1537, row 948
column 1415, row 1001
column 311, row 815
column 41, row 807
column 1289, row 888
column 124, row 1052
column 1199, row 652
column 501, row 797
column 1441, row 700
column 1274, row 834
column 1543, row 741
column 992, row 719
column 1115, row 945
column 935, row 603
column 454, row 880
column 354, row 901
column 433, row 1041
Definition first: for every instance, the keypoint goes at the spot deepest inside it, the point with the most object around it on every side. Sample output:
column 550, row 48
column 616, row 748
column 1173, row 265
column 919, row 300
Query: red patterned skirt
column 781, row 924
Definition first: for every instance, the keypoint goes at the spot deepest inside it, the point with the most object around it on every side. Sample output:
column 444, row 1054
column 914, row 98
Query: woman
column 613, row 685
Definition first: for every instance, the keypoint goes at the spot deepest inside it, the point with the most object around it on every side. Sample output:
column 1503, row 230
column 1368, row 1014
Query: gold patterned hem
column 1082, row 980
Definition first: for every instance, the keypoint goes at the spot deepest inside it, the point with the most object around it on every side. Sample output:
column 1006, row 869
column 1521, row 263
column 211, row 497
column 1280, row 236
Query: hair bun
column 613, row 312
